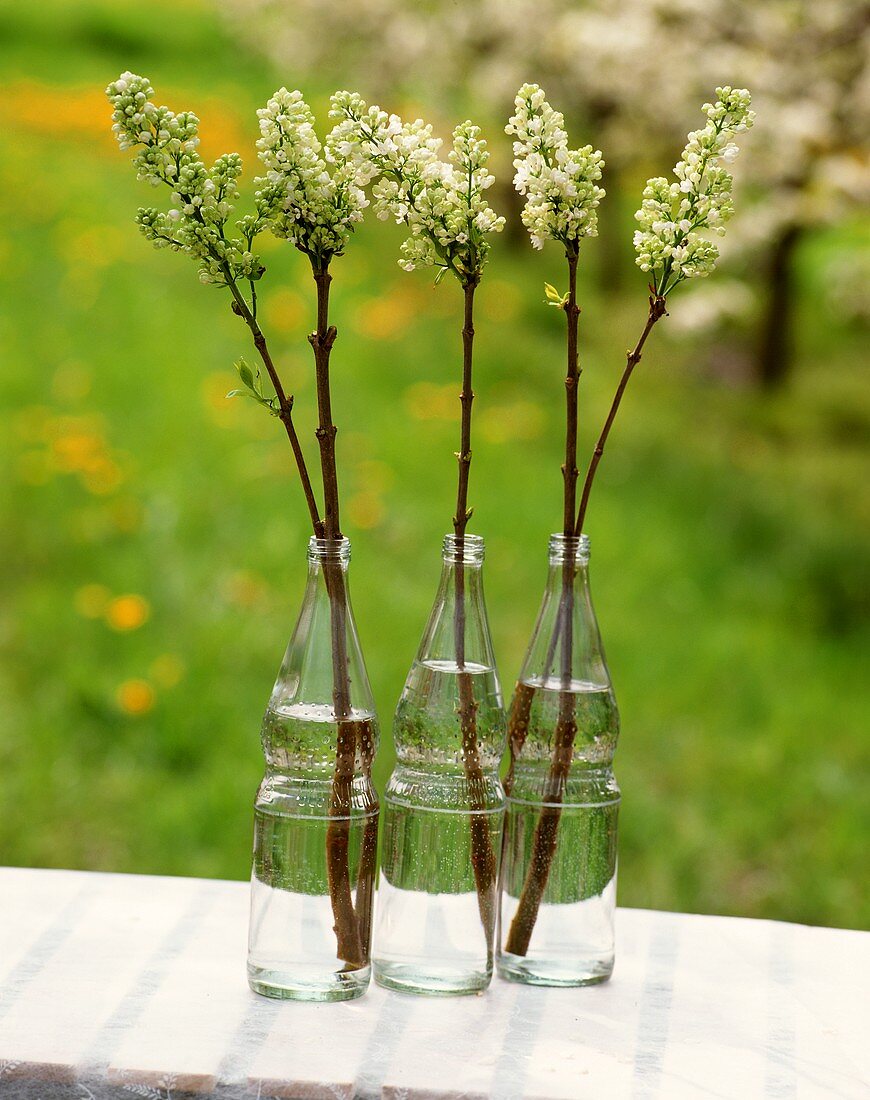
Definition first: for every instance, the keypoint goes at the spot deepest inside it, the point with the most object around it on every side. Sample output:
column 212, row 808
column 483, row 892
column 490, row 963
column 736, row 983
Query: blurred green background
column 152, row 533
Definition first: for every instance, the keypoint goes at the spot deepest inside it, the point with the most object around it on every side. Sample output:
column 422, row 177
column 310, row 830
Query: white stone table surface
column 121, row 986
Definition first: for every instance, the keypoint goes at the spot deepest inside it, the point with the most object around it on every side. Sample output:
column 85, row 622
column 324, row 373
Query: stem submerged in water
column 546, row 830
column 365, row 879
column 350, row 944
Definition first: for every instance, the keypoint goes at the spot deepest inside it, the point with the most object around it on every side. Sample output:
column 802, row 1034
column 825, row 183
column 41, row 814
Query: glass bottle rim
column 322, row 549
column 564, row 548
column 470, row 549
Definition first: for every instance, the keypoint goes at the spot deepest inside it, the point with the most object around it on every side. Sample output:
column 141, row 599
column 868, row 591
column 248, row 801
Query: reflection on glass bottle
column 316, row 812
column 444, row 804
column 558, row 881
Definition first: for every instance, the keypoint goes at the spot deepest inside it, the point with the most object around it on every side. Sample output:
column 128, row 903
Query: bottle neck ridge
column 563, row 549
column 328, row 551
column 468, row 550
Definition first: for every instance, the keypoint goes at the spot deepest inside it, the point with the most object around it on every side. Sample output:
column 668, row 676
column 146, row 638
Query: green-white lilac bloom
column 202, row 198
column 673, row 214
column 442, row 202
column 315, row 195
column 560, row 184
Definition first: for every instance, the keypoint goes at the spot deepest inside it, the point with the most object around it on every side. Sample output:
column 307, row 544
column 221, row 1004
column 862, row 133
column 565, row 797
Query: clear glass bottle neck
column 457, row 630
column 323, row 678
column 328, row 551
column 568, row 548
column 566, row 641
column 468, row 550
column 451, row 714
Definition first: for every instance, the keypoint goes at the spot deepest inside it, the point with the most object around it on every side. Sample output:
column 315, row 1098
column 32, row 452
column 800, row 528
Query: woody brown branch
column 483, row 859
column 285, row 403
column 657, row 310
column 365, row 880
column 350, row 946
column 546, row 831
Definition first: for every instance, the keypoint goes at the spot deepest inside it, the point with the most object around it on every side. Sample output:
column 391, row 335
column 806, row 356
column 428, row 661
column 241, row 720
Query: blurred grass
column 729, row 531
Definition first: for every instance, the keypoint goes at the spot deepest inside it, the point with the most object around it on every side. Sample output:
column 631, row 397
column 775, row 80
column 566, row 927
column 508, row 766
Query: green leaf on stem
column 253, row 388
column 554, row 298
column 247, row 375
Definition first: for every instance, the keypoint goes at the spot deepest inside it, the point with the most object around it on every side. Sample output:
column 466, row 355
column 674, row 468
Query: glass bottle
column 316, row 811
column 558, row 875
column 444, row 803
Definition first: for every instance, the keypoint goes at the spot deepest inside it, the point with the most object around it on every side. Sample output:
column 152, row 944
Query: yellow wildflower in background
column 135, row 696
column 127, row 612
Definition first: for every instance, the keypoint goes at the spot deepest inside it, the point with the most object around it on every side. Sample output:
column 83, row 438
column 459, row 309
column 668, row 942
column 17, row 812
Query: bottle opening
column 564, row 548
column 470, row 549
column 325, row 550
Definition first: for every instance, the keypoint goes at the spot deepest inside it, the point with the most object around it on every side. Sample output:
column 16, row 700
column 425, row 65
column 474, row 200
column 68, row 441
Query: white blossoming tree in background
column 631, row 70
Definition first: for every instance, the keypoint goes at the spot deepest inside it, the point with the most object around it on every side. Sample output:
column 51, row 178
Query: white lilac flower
column 315, row 197
column 442, row 203
column 202, row 197
column 560, row 184
column 673, row 214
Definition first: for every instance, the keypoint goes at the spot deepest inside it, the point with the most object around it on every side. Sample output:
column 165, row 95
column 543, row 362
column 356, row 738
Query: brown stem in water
column 351, row 925
column 350, row 947
column 546, row 831
column 544, row 844
column 518, row 728
column 347, row 934
column 482, row 855
column 365, row 879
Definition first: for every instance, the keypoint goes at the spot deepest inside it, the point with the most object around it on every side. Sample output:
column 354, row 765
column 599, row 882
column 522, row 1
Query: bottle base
column 403, row 977
column 554, row 972
column 283, row 986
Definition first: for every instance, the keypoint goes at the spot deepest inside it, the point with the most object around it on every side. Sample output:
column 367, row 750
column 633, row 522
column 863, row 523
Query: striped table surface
column 124, row 986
